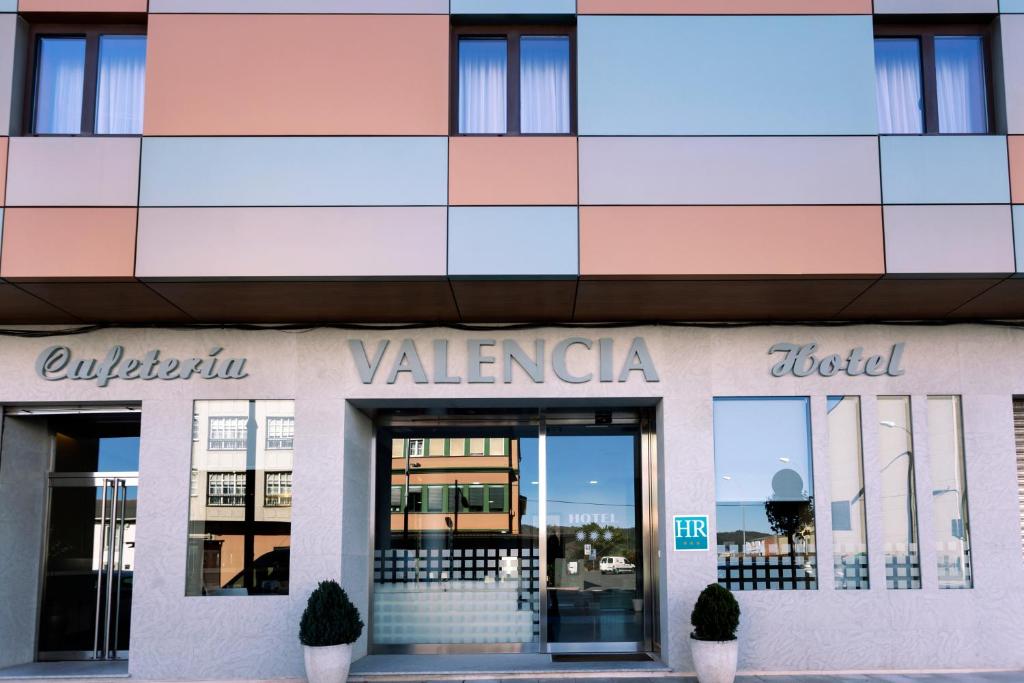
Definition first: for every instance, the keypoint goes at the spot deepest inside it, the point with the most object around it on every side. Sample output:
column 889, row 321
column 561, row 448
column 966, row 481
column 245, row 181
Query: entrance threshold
column 505, row 666
column 95, row 671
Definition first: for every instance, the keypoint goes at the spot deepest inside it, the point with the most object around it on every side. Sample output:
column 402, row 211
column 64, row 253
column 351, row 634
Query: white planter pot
column 327, row 664
column 715, row 661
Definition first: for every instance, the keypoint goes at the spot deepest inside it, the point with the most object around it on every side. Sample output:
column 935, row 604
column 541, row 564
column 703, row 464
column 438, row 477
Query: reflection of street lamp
column 910, row 479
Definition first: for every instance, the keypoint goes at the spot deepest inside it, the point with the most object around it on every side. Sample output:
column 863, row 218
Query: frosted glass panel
column 846, row 466
column 949, row 492
column 899, row 493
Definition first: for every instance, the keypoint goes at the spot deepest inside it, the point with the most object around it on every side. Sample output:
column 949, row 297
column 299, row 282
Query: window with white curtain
column 932, row 80
column 88, row 82
column 514, row 81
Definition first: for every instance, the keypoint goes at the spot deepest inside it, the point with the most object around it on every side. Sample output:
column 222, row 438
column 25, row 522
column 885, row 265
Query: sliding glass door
column 510, row 534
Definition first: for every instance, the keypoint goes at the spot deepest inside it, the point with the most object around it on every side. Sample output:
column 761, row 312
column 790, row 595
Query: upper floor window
column 227, row 433
column 515, row 80
column 89, row 80
column 280, row 433
column 932, row 79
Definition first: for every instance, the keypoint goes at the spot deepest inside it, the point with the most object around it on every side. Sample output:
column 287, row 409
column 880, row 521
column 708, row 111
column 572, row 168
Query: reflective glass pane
column 899, row 493
column 898, row 87
column 961, row 84
column 483, row 85
column 765, row 494
column 595, row 570
column 239, row 533
column 846, row 467
column 120, row 85
column 544, row 84
column 85, row 443
column 455, row 564
column 949, row 492
column 60, row 82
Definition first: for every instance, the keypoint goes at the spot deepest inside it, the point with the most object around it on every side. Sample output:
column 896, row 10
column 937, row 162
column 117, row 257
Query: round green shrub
column 330, row 617
column 716, row 616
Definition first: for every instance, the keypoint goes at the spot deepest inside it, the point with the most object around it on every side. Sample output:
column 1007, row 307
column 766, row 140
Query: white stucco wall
column 178, row 637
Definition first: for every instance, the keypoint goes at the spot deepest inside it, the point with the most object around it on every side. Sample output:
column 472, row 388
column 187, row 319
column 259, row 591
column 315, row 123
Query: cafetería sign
column 57, row 363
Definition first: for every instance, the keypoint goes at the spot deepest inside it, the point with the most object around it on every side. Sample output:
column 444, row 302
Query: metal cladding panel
column 936, row 6
column 690, row 241
column 724, row 6
column 292, row 242
column 1011, row 6
column 8, row 5
column 80, row 6
column 758, row 75
column 513, row 6
column 73, row 171
column 300, row 6
column 1011, row 28
column 948, row 239
column 512, row 170
column 729, row 170
column 945, row 169
column 294, row 171
column 501, row 241
column 291, row 74
column 1016, row 149
column 9, row 66
column 56, row 243
column 1018, row 236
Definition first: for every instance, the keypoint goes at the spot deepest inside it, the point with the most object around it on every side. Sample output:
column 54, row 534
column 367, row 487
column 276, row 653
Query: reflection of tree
column 790, row 511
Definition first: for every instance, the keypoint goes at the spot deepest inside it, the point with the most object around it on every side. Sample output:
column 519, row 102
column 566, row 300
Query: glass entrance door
column 90, row 547
column 594, row 560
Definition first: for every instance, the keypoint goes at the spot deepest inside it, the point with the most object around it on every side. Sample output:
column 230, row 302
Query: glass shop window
column 765, row 494
column 239, row 533
column 949, row 491
column 88, row 81
column 932, row 79
column 514, row 80
column 849, row 517
column 899, row 493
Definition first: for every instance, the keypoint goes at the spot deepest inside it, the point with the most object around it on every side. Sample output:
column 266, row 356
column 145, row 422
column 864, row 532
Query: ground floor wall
column 336, row 387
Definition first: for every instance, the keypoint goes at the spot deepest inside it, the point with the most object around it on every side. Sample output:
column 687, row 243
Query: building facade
column 523, row 319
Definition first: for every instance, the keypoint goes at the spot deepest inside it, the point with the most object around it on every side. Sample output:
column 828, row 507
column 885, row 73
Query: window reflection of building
column 241, row 494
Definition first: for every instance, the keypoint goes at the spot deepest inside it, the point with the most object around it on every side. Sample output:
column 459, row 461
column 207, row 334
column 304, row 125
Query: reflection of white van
column 616, row 565
column 509, row 567
column 572, row 567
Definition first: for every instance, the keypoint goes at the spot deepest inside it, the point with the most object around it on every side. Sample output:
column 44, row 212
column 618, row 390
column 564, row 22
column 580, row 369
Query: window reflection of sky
column 754, row 440
column 573, row 463
column 119, row 454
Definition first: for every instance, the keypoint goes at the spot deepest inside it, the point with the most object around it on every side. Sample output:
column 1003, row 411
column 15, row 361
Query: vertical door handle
column 112, row 535
column 99, row 570
column 120, row 523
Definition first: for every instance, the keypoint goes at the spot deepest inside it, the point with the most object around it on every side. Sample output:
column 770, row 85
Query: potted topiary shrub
column 329, row 626
column 715, row 618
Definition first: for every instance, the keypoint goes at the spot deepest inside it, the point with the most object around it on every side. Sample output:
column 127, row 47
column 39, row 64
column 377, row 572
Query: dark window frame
column 926, row 33
column 511, row 33
column 91, row 33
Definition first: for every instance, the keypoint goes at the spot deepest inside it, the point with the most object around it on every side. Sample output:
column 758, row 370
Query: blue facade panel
column 299, row 171
column 726, row 75
column 1011, row 6
column 513, row 6
column 8, row 5
column 502, row 241
column 945, row 169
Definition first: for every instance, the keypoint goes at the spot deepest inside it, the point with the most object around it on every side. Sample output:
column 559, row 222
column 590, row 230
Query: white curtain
column 898, row 86
column 960, row 80
column 544, row 84
column 59, row 86
column 120, row 85
column 483, row 84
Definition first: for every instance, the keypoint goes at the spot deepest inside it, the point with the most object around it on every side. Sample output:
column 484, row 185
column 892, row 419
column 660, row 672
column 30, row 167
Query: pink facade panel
column 1016, row 143
column 723, row 6
column 948, row 239
column 502, row 171
column 323, row 75
column 82, row 6
column 292, row 242
column 73, row 171
column 68, row 243
column 700, row 241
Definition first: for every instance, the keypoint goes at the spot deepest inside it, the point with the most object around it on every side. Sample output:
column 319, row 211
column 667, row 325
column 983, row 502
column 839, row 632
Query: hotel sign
column 488, row 361
column 691, row 532
column 800, row 361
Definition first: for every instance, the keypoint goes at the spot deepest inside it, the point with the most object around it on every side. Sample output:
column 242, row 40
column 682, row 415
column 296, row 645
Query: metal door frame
column 648, row 536
column 116, row 483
